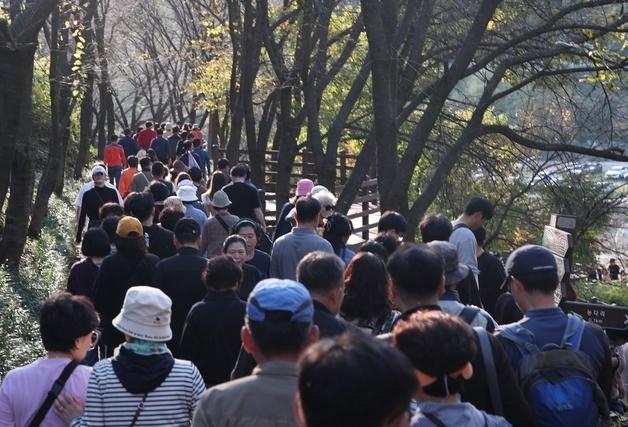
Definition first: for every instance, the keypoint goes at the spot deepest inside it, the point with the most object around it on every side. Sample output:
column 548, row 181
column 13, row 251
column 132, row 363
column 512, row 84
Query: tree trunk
column 18, row 117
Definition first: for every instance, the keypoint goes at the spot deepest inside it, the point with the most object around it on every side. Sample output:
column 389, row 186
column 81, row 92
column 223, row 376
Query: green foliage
column 43, row 272
column 615, row 292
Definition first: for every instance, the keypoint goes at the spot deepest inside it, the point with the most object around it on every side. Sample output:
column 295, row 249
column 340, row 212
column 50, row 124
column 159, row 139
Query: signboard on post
column 560, row 243
column 607, row 316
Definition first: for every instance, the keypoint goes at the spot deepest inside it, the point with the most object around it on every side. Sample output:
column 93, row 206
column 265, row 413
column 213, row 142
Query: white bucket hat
column 145, row 314
column 187, row 193
column 220, row 200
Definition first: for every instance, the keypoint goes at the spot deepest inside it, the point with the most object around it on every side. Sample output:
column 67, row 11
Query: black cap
column 530, row 259
column 187, row 229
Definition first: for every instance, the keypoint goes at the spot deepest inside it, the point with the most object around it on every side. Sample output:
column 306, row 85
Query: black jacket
column 117, row 274
column 160, row 241
column 211, row 336
column 179, row 277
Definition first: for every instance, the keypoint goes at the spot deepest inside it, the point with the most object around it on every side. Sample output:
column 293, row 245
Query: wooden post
column 215, row 155
column 343, row 167
column 305, row 160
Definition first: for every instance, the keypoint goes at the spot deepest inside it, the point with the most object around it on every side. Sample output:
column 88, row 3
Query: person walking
column 218, row 227
column 92, row 200
column 115, row 160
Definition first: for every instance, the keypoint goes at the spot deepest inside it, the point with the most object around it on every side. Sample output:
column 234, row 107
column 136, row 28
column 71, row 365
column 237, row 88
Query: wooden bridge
column 364, row 212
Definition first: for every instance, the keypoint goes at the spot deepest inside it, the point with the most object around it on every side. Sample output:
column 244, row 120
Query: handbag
column 57, row 386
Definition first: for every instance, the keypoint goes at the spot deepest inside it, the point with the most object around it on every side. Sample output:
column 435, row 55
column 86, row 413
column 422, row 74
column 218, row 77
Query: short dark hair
column 168, row 218
column 435, row 342
column 63, row 318
column 159, row 190
column 435, row 227
column 544, row 281
column 389, row 242
column 279, row 337
column 222, row 273
column 182, row 177
column 320, row 272
column 378, row 378
column 110, row 209
column 392, row 220
column 307, row 209
column 145, row 163
column 416, row 269
column 139, row 205
column 479, row 204
column 195, row 174
column 245, row 222
column 158, row 169
column 187, row 230
column 238, row 171
column 113, row 137
column 159, row 130
column 196, row 142
column 148, row 124
column 222, row 163
column 234, row 238
column 133, row 161
column 127, row 131
column 366, row 289
column 175, row 129
column 95, row 243
column 375, row 248
column 109, row 226
column 480, row 235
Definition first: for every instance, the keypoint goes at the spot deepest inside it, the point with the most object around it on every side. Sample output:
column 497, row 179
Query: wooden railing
column 305, row 167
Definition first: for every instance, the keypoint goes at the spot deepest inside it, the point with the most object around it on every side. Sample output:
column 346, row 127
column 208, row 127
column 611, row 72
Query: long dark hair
column 366, row 289
column 218, row 180
column 337, row 228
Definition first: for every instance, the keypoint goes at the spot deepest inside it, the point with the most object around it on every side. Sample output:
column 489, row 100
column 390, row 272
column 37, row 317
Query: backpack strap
column 521, row 337
column 433, row 419
column 489, row 368
column 460, row 225
column 469, row 313
column 573, row 332
column 223, row 223
column 57, row 386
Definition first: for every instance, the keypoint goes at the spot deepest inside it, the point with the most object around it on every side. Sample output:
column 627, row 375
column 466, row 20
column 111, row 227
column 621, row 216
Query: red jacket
column 114, row 155
column 145, row 137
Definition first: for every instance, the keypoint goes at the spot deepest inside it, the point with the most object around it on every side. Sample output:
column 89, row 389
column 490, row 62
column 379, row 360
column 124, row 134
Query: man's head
column 238, row 173
column 140, row 206
column 533, row 276
column 480, row 236
column 477, row 212
column 440, row 347
column 392, row 222
column 160, row 131
column 223, row 165
column 612, row 261
column 99, row 175
column 158, row 170
column 278, row 322
column 417, row 274
column 127, row 132
column 196, row 174
column 196, row 143
column 113, row 139
column 159, row 190
column 354, row 381
column 149, row 125
column 110, row 209
column 435, row 227
column 132, row 161
column 308, row 211
column 222, row 274
column 187, row 232
column 322, row 274
column 146, row 164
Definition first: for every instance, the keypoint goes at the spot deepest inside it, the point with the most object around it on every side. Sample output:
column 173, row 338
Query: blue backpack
column 559, row 381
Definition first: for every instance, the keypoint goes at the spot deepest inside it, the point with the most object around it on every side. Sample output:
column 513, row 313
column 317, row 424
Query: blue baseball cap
column 280, row 300
column 530, row 259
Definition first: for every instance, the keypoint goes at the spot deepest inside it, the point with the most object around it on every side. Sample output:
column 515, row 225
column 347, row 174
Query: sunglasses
column 99, row 174
column 95, row 337
column 330, row 208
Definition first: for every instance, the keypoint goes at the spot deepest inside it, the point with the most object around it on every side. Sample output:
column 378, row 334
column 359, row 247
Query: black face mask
column 444, row 386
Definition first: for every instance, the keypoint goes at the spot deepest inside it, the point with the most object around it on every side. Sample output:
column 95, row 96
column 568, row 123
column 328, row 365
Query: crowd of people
column 185, row 310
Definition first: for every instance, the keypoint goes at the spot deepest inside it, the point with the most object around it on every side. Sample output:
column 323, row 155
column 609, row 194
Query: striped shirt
column 171, row 404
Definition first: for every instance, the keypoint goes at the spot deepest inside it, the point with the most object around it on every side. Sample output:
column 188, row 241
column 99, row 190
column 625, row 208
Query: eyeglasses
column 95, row 337
column 330, row 208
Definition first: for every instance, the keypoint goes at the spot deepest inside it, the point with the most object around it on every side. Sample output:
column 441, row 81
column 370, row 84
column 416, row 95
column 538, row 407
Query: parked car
column 617, row 172
column 592, row 167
